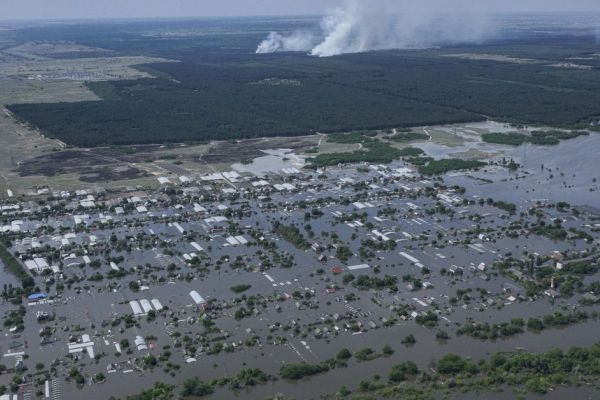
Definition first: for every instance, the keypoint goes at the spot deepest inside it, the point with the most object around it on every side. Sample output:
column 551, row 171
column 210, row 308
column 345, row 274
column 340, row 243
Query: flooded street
column 274, row 265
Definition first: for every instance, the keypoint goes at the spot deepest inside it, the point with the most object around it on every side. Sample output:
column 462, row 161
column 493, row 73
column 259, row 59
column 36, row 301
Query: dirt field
column 45, row 50
column 18, row 143
column 231, row 152
column 29, row 74
column 31, row 61
column 493, row 57
column 19, row 91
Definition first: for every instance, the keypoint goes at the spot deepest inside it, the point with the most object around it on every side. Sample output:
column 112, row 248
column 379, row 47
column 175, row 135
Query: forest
column 221, row 90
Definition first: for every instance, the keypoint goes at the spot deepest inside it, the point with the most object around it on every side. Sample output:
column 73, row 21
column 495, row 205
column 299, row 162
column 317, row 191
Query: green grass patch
column 542, row 138
column 373, row 152
column 348, row 138
column 438, row 167
column 404, row 137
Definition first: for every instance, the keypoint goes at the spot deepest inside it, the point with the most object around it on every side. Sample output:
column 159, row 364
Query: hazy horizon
column 157, row 9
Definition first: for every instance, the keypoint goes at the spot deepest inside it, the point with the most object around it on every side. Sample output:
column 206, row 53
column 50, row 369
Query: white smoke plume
column 297, row 41
column 365, row 25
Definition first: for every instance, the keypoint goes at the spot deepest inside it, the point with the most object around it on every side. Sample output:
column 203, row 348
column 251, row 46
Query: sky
column 77, row 9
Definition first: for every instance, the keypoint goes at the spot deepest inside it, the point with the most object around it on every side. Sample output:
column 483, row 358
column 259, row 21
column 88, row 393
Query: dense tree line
column 220, row 93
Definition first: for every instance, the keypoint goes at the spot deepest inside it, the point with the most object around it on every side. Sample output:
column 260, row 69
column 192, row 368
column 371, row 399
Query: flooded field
column 274, row 161
column 549, row 172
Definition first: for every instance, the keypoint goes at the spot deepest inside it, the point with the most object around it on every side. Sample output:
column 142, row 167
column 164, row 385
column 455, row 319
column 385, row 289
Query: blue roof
column 37, row 296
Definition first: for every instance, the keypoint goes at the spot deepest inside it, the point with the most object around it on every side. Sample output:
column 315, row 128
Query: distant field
column 221, row 90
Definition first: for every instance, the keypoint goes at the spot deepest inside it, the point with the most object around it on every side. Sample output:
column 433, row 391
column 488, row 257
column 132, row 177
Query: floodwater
column 90, row 307
column 491, row 126
column 424, row 352
column 275, row 161
column 569, row 169
column 569, row 174
column 438, row 151
column 6, row 277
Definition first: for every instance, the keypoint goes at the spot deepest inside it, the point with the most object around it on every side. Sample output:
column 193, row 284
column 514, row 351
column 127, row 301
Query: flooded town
column 276, row 262
column 299, row 200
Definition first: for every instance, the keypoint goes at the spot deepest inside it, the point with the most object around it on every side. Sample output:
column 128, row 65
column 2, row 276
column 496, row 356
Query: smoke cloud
column 365, row 25
column 297, row 41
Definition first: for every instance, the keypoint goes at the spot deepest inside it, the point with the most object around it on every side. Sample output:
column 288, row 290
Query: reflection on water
column 276, row 160
column 492, row 126
column 470, row 135
column 437, row 151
